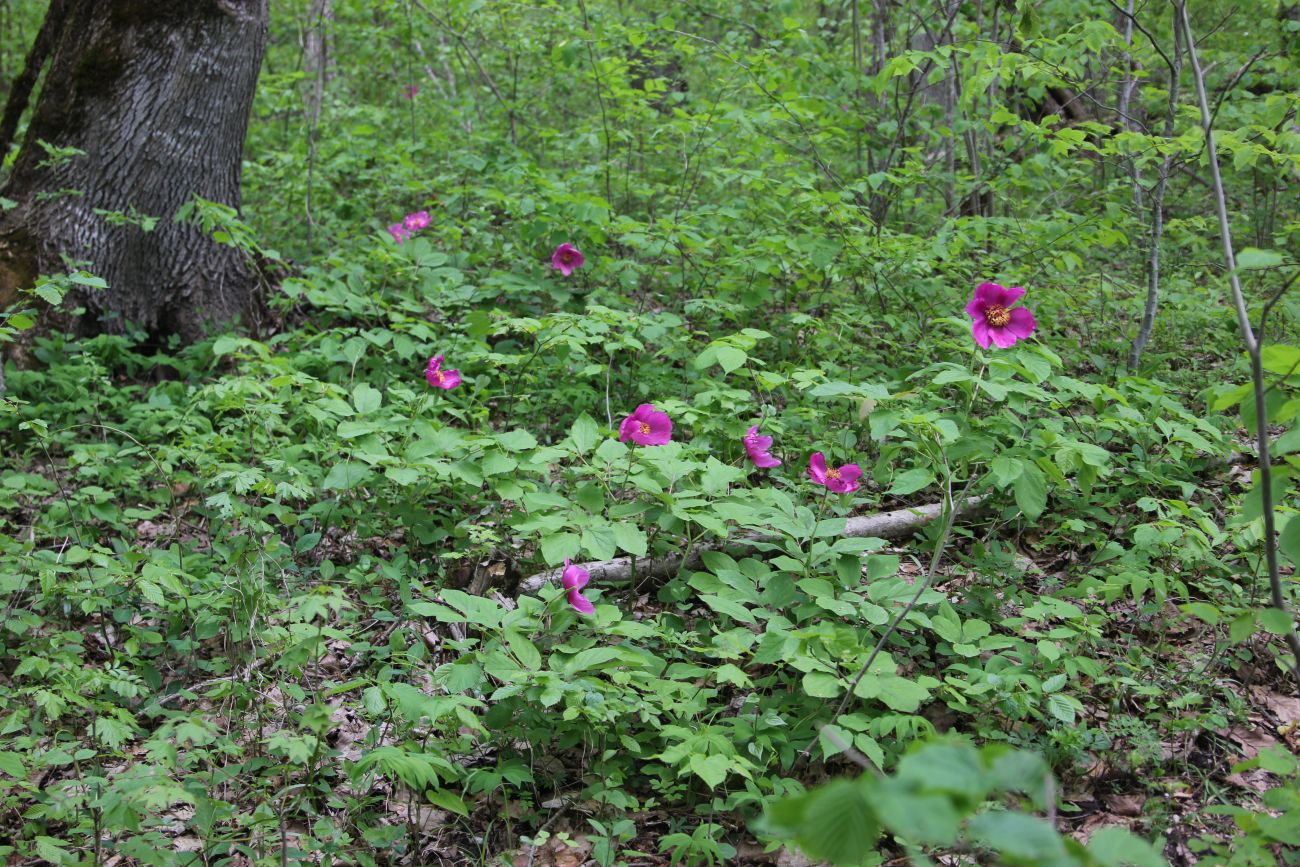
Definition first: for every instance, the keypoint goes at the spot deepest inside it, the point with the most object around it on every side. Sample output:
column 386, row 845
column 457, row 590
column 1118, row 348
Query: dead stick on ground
column 886, row 525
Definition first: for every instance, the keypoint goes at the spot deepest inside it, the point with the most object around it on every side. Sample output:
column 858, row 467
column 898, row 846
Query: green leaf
column 345, row 476
column 631, row 538
column 1280, row 359
column 910, row 481
column 517, row 440
column 366, row 398
column 1031, row 490
column 585, row 433
column 820, row 684
column 730, row 358
column 524, row 650
column 1276, row 621
column 1252, row 257
column 1116, row 846
column 926, row 819
column 594, row 657
column 12, row 764
column 1061, row 707
column 1025, row 838
column 1242, row 628
column 1006, row 469
column 838, row 824
column 711, row 769
column 732, row 609
column 559, row 546
column 21, row 322
column 449, row 801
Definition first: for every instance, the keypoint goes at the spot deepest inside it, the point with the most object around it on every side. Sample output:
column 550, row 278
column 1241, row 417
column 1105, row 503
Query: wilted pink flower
column 439, row 378
column 841, row 480
column 646, row 427
column 574, row 578
column 410, row 91
column 566, row 259
column 399, row 232
column 757, row 448
column 994, row 320
column 415, row 222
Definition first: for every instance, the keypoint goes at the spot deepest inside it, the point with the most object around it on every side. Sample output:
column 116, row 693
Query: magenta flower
column 994, row 320
column 566, row 259
column 439, row 378
column 841, row 480
column 399, row 232
column 415, row 222
column 574, row 578
column 757, row 448
column 646, row 427
column 410, row 91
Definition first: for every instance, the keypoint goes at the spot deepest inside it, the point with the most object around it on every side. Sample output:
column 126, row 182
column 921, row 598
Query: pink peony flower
column 415, row 222
column 994, row 320
column 757, row 448
column 399, row 232
column 646, row 427
column 440, row 378
column 841, row 480
column 566, row 259
column 574, row 578
column 410, row 91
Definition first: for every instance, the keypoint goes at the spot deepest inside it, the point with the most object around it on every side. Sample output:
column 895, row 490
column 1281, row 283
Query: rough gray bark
column 157, row 96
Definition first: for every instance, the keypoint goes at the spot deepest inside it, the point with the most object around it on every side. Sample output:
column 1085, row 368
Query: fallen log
column 886, row 525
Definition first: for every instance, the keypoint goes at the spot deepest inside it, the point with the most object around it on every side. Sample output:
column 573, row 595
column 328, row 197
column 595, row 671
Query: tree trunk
column 156, row 95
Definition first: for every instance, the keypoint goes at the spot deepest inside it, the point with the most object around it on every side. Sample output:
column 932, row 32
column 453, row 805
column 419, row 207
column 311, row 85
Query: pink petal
column 975, row 307
column 1022, row 322
column 580, row 603
column 842, row 486
column 643, row 412
column 817, row 468
column 765, row 461
column 628, row 428
column 1002, row 337
column 850, row 473
column 435, row 362
column 450, row 378
column 574, row 577
column 1012, row 295
column 980, row 329
column 993, row 294
column 661, row 428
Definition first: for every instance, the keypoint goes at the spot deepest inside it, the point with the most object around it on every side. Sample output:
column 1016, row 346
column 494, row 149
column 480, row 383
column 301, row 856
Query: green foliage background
column 258, row 592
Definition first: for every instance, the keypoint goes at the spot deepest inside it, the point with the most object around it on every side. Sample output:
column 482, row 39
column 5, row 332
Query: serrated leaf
column 711, row 769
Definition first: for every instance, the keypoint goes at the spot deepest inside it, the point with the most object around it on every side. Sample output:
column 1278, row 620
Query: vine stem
column 954, row 505
column 1248, row 337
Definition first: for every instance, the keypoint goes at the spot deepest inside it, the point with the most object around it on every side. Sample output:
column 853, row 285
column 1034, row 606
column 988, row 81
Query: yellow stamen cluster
column 645, row 429
column 997, row 316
